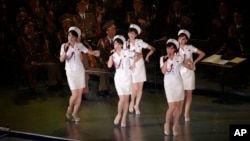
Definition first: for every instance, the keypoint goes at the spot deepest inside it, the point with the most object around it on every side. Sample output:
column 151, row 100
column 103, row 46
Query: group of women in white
column 130, row 72
column 129, row 76
column 177, row 66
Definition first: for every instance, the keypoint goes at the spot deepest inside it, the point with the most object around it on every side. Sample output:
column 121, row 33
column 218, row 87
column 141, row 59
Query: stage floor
column 43, row 117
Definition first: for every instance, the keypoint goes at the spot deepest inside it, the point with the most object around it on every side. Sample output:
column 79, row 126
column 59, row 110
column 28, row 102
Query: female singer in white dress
column 121, row 60
column 170, row 65
column 139, row 73
column 70, row 53
column 187, row 72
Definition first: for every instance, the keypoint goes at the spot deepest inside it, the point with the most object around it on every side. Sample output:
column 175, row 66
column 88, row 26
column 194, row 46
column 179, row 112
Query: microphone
column 112, row 51
column 165, row 58
column 128, row 44
column 66, row 47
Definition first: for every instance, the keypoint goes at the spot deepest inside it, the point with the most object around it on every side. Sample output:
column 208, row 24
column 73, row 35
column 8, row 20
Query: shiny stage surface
column 42, row 117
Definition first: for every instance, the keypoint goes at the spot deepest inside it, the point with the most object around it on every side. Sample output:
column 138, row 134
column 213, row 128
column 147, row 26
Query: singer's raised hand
column 112, row 51
column 66, row 47
column 110, row 61
column 128, row 44
column 165, row 58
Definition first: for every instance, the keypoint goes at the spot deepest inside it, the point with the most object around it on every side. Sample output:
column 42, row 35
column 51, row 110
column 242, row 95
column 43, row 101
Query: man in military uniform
column 37, row 11
column 84, row 20
column 35, row 55
column 105, row 45
column 140, row 16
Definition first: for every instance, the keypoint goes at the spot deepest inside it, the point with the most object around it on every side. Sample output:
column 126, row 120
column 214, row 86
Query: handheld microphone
column 66, row 47
column 165, row 58
column 128, row 44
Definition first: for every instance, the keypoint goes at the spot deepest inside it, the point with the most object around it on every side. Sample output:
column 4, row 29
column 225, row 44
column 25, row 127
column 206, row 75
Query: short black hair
column 170, row 44
column 133, row 30
column 183, row 34
column 74, row 33
column 118, row 40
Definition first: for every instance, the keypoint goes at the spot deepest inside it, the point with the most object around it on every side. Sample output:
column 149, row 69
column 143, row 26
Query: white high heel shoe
column 123, row 125
column 68, row 117
column 117, row 120
column 75, row 119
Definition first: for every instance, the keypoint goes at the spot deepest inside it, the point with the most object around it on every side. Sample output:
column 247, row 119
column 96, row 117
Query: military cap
column 237, row 13
column 27, row 22
column 22, row 11
column 66, row 17
column 136, row 27
column 185, row 32
column 137, row 1
column 108, row 25
column 222, row 2
column 82, row 2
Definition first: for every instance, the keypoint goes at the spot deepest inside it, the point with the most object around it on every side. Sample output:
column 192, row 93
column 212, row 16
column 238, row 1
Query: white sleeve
column 161, row 61
column 62, row 49
column 83, row 48
column 193, row 48
column 142, row 43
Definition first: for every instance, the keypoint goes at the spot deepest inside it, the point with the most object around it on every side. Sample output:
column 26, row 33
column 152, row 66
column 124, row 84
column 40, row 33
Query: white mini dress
column 123, row 73
column 173, row 85
column 139, row 73
column 74, row 67
column 188, row 76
